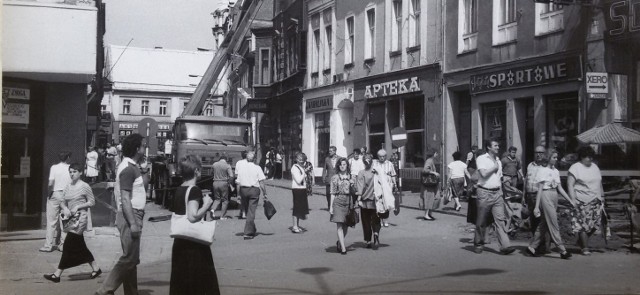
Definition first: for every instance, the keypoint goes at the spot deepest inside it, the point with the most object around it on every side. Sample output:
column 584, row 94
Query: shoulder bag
column 200, row 232
column 269, row 209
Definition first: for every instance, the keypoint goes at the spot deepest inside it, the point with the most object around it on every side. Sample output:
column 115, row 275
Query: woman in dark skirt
column 78, row 196
column 341, row 201
column 299, row 191
column 192, row 269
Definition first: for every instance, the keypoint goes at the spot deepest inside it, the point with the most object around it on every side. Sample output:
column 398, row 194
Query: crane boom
column 210, row 77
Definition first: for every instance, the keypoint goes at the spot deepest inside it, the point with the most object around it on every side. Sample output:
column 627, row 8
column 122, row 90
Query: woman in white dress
column 92, row 164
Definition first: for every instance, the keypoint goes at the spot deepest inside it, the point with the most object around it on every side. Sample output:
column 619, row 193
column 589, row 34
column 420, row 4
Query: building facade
column 373, row 67
column 50, row 56
column 514, row 71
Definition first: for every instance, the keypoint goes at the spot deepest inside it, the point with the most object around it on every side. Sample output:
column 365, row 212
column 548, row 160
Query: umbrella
column 609, row 133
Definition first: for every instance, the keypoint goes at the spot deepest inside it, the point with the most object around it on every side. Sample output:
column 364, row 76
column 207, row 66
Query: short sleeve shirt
column 549, row 178
column 588, row 181
column 457, row 169
column 494, row 180
column 59, row 173
column 356, row 165
column 130, row 179
column 510, row 166
column 250, row 175
column 532, row 170
column 179, row 204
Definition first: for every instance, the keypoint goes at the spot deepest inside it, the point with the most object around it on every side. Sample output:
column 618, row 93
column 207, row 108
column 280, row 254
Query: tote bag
column 200, row 232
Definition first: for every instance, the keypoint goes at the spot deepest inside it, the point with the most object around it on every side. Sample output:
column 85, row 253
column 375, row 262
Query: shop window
column 163, row 108
column 323, row 136
column 467, row 25
column 350, row 41
column 126, row 106
column 494, row 124
column 414, row 124
column 376, row 127
column 144, row 110
column 562, row 128
column 414, row 23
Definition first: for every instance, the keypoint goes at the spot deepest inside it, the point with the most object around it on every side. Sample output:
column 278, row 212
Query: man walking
column 112, row 152
column 58, row 179
column 384, row 166
column 328, row 172
column 222, row 174
column 512, row 167
column 531, row 192
column 251, row 182
column 239, row 166
column 131, row 198
column 490, row 199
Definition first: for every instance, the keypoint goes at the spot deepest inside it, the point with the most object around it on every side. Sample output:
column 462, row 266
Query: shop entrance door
column 16, row 171
column 494, row 124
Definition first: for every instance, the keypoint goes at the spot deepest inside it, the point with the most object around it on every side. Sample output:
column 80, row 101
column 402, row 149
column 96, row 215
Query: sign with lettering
column 319, row 104
column 394, row 87
column 622, row 20
column 597, row 82
column 128, row 125
column 536, row 74
column 15, row 93
column 15, row 113
column 257, row 105
column 25, row 166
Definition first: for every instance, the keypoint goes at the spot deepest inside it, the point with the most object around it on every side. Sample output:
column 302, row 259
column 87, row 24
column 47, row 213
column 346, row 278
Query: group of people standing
column 101, row 162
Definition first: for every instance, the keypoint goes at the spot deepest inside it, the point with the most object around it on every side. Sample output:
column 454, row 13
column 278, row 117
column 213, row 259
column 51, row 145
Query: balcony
column 51, row 40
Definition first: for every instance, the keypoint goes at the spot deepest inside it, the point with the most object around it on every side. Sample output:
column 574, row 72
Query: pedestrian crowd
column 360, row 188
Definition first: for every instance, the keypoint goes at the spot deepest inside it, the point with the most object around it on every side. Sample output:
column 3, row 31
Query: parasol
column 609, row 133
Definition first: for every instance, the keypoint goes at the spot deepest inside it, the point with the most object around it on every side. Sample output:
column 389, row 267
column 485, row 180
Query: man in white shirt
column 490, row 199
column 356, row 163
column 382, row 165
column 251, row 182
column 58, row 179
column 239, row 166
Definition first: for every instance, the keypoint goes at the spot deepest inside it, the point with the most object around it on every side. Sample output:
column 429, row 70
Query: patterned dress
column 308, row 167
column 340, row 187
column 587, row 216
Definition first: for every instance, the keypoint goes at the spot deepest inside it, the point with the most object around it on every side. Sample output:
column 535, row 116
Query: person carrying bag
column 200, row 232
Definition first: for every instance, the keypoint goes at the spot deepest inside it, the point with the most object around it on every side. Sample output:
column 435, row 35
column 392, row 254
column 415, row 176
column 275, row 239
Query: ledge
column 395, row 53
column 413, row 49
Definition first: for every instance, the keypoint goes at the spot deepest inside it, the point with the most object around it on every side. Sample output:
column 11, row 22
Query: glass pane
column 376, row 142
column 376, row 118
column 494, row 122
column 393, row 114
column 563, row 128
column 414, row 113
column 413, row 150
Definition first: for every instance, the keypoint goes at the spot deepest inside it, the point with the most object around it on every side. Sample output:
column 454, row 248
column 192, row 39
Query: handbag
column 430, row 179
column 200, row 232
column 269, row 209
column 448, row 194
column 352, row 217
column 436, row 203
column 70, row 223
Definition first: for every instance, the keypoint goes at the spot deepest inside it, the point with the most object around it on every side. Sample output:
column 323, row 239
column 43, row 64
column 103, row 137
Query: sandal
column 95, row 274
column 52, row 277
column 296, row 230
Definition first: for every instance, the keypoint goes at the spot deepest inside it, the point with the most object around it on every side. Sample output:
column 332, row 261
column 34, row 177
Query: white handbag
column 201, row 232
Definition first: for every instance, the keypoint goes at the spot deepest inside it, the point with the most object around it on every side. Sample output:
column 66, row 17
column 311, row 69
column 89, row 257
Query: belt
column 510, row 175
column 248, row 186
column 221, row 180
column 138, row 210
column 489, row 189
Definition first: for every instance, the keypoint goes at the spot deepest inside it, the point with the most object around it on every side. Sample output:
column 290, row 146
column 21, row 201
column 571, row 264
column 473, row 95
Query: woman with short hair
column 457, row 174
column 584, row 185
column 428, row 192
column 299, row 191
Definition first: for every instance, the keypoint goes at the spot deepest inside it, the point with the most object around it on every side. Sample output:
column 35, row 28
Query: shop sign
column 25, row 166
column 597, row 82
column 622, row 19
column 15, row 93
column 163, row 127
column 394, row 87
column 531, row 75
column 257, row 105
column 16, row 113
column 319, row 104
column 128, row 125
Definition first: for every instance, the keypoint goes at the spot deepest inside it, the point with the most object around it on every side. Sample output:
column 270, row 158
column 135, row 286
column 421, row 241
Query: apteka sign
column 394, row 87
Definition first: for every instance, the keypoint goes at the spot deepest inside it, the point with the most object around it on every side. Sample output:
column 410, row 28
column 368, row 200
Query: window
column 328, row 35
column 163, row 108
column 350, row 41
column 103, row 108
column 208, row 109
column 562, row 126
column 126, row 106
column 144, row 110
column 376, row 126
column 414, row 23
column 414, row 124
column 505, row 26
column 264, row 66
column 549, row 18
column 293, row 58
column 468, row 25
column 370, row 34
column 323, row 132
column 316, row 52
column 396, row 25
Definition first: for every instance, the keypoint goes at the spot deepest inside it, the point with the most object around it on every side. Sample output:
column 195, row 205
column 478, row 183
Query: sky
column 171, row 24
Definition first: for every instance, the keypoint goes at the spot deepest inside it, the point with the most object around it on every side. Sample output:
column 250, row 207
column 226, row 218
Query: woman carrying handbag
column 192, row 268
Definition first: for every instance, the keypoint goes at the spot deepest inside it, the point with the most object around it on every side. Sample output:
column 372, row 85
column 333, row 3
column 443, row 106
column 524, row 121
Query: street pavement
column 415, row 257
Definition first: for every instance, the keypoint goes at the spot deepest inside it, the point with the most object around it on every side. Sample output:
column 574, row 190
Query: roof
column 214, row 119
column 149, row 69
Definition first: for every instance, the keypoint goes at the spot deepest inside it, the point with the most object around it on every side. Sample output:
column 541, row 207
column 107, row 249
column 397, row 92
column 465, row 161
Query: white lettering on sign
column 392, row 88
column 597, row 82
column 128, row 125
column 398, row 136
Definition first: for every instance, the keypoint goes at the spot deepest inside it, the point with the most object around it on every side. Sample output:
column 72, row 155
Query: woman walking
column 192, row 268
column 367, row 203
column 429, row 191
column 547, row 204
column 457, row 174
column 340, row 201
column 585, row 188
column 78, row 196
column 299, row 191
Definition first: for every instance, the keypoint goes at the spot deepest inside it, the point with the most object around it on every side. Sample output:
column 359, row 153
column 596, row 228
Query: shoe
column 338, row 248
column 296, row 230
column 95, row 274
column 368, row 245
column 478, row 250
column 225, row 218
column 46, row 249
column 530, row 252
column 565, row 255
column 343, row 252
column 507, row 251
column 385, row 224
column 248, row 237
column 428, row 218
column 585, row 252
column 376, row 242
column 458, row 208
column 52, row 277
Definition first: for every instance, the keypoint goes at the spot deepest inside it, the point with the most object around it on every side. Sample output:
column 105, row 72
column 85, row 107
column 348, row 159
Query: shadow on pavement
column 154, row 283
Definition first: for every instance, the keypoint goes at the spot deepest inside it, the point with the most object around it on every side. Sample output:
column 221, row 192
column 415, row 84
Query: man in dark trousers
column 531, row 192
column 251, row 182
column 328, row 172
column 222, row 174
column 131, row 199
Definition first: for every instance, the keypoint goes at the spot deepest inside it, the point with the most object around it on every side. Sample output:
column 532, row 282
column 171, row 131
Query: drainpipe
column 443, row 86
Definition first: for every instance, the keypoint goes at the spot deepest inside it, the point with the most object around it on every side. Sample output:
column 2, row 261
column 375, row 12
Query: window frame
column 349, row 40
column 504, row 22
column 262, row 80
column 328, row 34
column 396, row 25
column 414, row 23
column 144, row 107
column 162, row 110
column 467, row 26
column 370, row 34
column 544, row 18
column 126, row 106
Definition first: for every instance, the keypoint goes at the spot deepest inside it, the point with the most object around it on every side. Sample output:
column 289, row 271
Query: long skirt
column 192, row 269
column 587, row 217
column 457, row 187
column 300, row 203
column 341, row 205
column 428, row 196
column 75, row 252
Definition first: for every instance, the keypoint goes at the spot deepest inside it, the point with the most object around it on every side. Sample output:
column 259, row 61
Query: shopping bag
column 352, row 218
column 269, row 209
column 200, row 232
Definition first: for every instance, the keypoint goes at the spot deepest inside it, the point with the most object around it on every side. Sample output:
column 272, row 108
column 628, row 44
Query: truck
column 204, row 136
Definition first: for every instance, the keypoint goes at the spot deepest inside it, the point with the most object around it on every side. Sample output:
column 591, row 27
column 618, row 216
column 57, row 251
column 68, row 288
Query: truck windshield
column 212, row 131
